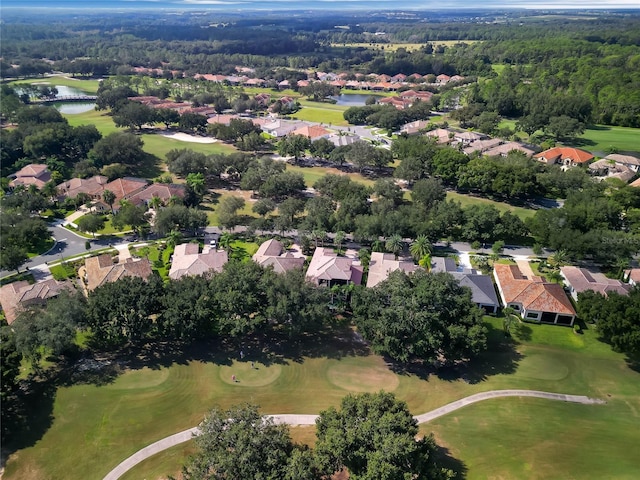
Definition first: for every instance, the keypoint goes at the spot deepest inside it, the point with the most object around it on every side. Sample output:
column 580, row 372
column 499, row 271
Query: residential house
column 466, row 138
column 414, row 128
column 122, row 188
column 273, row 254
column 442, row 79
column 263, row 99
column 633, row 276
column 224, row 119
column 506, row 148
column 441, row 135
column 93, row 187
column 327, row 268
column 163, row 191
column 533, row 297
column 483, row 292
column 399, row 103
column 413, row 95
column 18, row 295
column 33, row 174
column 342, row 140
column 581, row 279
column 604, row 168
column 280, row 128
column 382, row 264
column 632, row 163
column 635, row 183
column 398, row 78
column 312, row 132
column 100, row 270
column 187, row 260
column 456, row 78
column 256, row 82
column 284, row 84
column 481, row 146
column 566, row 156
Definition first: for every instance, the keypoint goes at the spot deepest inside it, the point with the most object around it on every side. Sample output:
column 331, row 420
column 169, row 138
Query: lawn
column 326, row 113
column 89, row 86
column 466, row 200
column 100, row 118
column 312, row 174
column 212, row 201
column 600, row 138
column 159, row 255
column 502, row 438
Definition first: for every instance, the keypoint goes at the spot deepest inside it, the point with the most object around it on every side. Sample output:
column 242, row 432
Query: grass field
column 312, row 174
column 466, row 200
column 502, row 438
column 89, row 86
column 600, row 138
column 326, row 113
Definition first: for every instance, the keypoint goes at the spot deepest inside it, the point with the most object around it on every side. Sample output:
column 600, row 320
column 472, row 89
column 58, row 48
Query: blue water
column 353, row 99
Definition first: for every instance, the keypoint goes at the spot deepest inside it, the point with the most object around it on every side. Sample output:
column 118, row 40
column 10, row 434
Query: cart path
column 295, row 419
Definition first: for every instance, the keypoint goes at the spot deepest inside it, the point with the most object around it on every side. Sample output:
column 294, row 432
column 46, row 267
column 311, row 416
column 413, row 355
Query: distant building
column 33, row 174
column 18, row 295
column 581, row 279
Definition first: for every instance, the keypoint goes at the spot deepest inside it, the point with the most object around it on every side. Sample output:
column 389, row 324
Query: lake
column 72, row 107
column 353, row 99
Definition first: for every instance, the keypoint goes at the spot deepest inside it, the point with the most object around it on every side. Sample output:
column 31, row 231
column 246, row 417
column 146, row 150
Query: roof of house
column 507, row 148
column 91, row 186
column 574, row 154
column 532, row 293
column 482, row 145
column 270, row 248
column 414, row 127
column 441, row 134
column 582, row 280
column 311, row 131
column 32, row 174
column 633, row 274
column 382, row 264
column 272, row 253
column 341, row 140
column 468, row 136
column 623, row 159
column 164, row 191
column 443, row 264
column 223, row 119
column 187, row 260
column 283, row 263
column 326, row 265
column 123, row 187
column 482, row 290
column 635, row 183
column 21, row 294
column 101, row 270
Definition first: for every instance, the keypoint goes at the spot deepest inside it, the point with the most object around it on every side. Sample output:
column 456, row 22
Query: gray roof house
column 483, row 292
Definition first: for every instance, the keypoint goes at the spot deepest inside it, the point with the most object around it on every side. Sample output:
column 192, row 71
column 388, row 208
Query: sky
column 319, row 4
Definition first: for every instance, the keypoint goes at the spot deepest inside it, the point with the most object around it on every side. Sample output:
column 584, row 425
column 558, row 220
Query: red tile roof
column 574, row 154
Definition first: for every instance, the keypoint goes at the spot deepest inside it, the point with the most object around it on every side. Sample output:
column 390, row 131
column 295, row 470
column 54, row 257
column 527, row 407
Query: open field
column 313, row 174
column 466, row 200
column 392, row 47
column 599, row 138
column 503, row 438
column 89, row 86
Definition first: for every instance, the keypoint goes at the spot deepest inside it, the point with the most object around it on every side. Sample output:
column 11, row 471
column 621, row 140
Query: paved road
column 293, row 419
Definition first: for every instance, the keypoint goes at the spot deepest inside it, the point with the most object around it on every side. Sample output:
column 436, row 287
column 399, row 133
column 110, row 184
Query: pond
column 74, row 107
column 353, row 99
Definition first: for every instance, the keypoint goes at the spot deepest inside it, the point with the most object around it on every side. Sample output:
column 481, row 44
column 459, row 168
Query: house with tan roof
column 342, row 140
column 481, row 146
column 327, row 268
column 635, row 183
column 566, row 156
column 101, row 270
column 467, row 138
column 312, row 132
column 187, row 260
column 603, row 169
column 163, row 191
column 126, row 187
column 382, row 264
column 632, row 276
column 33, row 174
column 93, row 187
column 20, row 295
column 506, row 148
column 273, row 254
column 581, row 279
column 441, row 135
column 628, row 161
column 414, row 128
column 224, row 119
column 533, row 297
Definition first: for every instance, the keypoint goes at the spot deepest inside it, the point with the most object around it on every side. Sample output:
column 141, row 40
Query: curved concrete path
column 294, row 419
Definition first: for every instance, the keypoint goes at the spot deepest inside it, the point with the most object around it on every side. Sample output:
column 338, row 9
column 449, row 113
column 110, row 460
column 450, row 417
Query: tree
column 228, row 211
column 134, row 115
column 192, row 121
column 293, row 146
column 264, row 206
column 420, row 248
column 510, row 316
column 373, row 436
column 338, row 239
column 10, row 359
column 118, row 147
column 168, row 116
column 91, row 223
column 428, row 192
column 395, row 245
column 109, row 198
column 362, row 154
column 197, row 184
column 240, row 443
column 564, row 127
column 135, row 216
column 12, row 257
column 403, row 318
column 557, row 259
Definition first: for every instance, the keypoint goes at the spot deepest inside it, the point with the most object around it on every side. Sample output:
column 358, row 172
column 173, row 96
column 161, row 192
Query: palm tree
column 174, row 200
column 338, row 239
column 109, row 198
column 510, row 316
column 557, row 259
column 225, row 241
column 155, row 202
column 377, row 246
column 395, row 245
column 319, row 236
column 425, row 262
column 622, row 264
column 173, row 238
column 420, row 248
